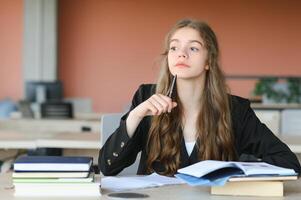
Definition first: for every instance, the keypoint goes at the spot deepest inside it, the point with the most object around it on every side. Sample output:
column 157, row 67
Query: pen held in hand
column 171, row 89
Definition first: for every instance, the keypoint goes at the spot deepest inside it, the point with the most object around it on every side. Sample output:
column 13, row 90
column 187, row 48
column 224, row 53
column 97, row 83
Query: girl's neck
column 190, row 93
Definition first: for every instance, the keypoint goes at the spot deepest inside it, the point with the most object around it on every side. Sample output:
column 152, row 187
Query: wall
column 108, row 48
column 11, row 23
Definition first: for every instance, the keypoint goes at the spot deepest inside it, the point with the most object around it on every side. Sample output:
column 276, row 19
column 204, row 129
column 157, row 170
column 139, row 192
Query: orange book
column 253, row 186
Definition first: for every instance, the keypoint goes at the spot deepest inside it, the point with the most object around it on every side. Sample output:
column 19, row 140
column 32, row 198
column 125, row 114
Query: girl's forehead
column 186, row 33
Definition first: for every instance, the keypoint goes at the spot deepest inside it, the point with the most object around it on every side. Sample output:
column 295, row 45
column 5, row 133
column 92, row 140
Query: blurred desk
column 293, row 142
column 50, row 133
column 33, row 140
column 76, row 137
column 292, row 191
column 80, row 140
column 50, row 125
column 276, row 106
column 72, row 143
column 68, row 135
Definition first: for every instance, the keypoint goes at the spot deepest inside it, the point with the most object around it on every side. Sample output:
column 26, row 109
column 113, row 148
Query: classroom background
column 92, row 55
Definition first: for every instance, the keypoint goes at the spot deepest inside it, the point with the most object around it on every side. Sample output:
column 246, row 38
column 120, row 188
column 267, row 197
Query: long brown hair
column 214, row 129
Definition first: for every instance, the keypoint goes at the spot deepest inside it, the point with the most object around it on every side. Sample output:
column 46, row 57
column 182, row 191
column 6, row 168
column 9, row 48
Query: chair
column 271, row 118
column 291, row 122
column 109, row 123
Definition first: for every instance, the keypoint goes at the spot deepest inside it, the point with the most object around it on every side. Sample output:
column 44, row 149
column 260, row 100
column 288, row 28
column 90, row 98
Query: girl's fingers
column 157, row 105
column 174, row 104
column 151, row 108
column 167, row 100
column 163, row 102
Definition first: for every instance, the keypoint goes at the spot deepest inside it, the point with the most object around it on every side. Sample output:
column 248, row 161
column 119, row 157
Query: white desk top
column 32, row 140
column 293, row 142
column 79, row 140
column 292, row 191
column 52, row 125
column 276, row 106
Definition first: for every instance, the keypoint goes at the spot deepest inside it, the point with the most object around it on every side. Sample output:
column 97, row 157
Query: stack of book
column 54, row 176
column 238, row 178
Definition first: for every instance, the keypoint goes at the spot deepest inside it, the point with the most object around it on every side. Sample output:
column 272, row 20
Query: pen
column 172, row 86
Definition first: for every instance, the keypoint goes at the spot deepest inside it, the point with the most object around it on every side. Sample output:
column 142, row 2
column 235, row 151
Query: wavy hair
column 214, row 130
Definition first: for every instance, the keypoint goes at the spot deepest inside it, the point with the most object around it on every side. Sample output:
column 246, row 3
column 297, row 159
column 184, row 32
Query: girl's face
column 187, row 55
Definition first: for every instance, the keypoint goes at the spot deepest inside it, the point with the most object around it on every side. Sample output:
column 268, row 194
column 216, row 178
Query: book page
column 211, row 172
column 262, row 168
column 205, row 167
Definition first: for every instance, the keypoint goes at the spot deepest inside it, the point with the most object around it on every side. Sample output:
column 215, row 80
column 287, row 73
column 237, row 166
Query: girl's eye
column 172, row 48
column 194, row 49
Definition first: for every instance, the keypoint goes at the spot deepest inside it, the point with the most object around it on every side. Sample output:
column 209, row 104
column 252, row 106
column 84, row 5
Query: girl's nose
column 182, row 53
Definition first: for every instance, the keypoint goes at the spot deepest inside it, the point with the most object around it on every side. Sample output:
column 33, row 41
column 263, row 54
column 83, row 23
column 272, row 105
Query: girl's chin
column 186, row 76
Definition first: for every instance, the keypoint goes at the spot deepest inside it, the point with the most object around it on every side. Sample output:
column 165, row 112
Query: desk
column 294, row 142
column 51, row 133
column 80, row 140
column 72, row 143
column 50, row 125
column 33, row 140
column 292, row 192
column 65, row 134
column 276, row 106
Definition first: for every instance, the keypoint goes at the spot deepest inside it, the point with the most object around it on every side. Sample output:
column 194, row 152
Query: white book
column 91, row 189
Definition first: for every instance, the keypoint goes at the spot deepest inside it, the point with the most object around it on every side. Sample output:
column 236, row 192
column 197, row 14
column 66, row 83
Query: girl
column 201, row 122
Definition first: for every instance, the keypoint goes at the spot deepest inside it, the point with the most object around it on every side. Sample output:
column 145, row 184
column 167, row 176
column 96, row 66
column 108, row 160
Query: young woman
column 201, row 122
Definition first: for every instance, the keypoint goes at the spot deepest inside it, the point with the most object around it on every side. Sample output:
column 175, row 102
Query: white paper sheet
column 116, row 183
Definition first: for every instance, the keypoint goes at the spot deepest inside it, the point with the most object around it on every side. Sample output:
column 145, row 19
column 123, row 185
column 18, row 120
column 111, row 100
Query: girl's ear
column 207, row 64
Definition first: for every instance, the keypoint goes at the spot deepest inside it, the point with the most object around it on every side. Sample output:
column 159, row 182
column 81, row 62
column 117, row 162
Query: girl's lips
column 182, row 65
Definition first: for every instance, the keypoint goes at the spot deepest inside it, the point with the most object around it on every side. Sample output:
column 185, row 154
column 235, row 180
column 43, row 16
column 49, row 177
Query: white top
column 189, row 147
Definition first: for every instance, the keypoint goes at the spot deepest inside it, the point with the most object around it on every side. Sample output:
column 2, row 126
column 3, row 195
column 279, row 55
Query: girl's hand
column 155, row 105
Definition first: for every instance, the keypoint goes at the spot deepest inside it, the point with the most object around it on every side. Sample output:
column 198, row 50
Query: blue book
column 52, row 163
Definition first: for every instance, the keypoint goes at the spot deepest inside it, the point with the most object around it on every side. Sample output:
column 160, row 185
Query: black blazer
column 253, row 141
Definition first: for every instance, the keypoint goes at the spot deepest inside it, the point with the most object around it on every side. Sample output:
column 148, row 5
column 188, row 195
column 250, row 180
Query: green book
column 55, row 180
column 50, row 174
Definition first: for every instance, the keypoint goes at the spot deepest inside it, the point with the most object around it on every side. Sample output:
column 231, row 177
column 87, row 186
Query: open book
column 211, row 172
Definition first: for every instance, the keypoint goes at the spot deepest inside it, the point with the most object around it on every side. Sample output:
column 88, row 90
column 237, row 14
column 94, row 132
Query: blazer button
column 122, row 144
column 115, row 154
column 109, row 162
